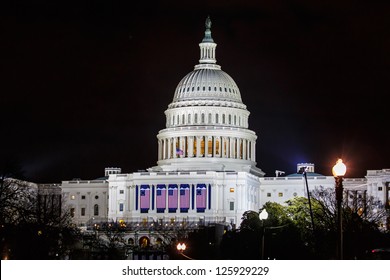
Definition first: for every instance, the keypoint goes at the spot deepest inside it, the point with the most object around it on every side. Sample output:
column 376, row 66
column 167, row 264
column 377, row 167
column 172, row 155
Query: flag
column 179, row 151
column 184, row 196
column 161, row 196
column 201, row 196
column 145, row 197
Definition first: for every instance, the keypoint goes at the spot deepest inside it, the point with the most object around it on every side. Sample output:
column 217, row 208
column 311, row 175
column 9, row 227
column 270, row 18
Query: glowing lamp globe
column 339, row 169
column 263, row 215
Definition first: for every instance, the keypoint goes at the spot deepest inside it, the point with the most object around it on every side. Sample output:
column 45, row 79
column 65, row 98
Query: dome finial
column 207, row 33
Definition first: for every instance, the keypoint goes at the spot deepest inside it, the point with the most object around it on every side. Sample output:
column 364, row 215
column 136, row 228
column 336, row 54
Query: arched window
column 96, row 210
column 202, row 118
column 209, row 120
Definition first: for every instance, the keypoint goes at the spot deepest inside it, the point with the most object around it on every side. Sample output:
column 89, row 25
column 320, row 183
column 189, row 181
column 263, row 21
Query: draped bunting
column 201, row 194
column 184, row 197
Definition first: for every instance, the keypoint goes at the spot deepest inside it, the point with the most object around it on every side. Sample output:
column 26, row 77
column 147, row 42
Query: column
column 169, row 148
column 174, row 141
column 238, row 142
column 164, row 148
column 159, row 150
column 190, row 146
column 198, row 140
column 244, row 154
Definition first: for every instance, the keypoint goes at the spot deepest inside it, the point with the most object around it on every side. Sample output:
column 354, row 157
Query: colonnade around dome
column 206, row 146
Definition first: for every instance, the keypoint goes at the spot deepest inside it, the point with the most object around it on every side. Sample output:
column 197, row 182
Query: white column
column 174, row 147
column 190, row 146
column 159, row 150
column 169, row 148
column 244, row 149
column 238, row 148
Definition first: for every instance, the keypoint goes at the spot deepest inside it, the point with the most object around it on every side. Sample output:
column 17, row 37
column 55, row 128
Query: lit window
column 280, row 194
column 72, row 197
column 231, row 189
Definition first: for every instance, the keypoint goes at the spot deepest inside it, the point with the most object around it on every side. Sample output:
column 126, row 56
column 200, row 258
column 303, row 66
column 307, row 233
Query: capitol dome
column 207, row 82
column 207, row 122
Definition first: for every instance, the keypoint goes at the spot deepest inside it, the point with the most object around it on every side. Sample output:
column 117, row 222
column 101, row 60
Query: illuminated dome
column 207, row 122
column 207, row 82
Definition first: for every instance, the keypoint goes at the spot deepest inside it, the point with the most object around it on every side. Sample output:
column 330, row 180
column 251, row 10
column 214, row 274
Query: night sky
column 84, row 85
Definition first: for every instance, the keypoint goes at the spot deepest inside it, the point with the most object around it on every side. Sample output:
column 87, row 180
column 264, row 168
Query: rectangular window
column 120, row 207
column 72, row 211
column 182, row 192
column 83, row 197
column 231, row 205
column 231, row 189
column 72, row 197
column 170, row 192
column 158, row 193
column 280, row 194
column 379, row 188
column 142, row 192
column 121, row 191
column 82, row 211
column 269, row 194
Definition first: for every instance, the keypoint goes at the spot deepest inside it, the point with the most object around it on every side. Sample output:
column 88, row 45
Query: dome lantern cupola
column 207, row 46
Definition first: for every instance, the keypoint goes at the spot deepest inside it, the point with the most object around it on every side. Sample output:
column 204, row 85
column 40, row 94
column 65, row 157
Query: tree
column 34, row 224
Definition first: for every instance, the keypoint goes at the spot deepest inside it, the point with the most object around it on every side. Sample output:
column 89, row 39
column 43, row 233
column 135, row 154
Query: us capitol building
column 206, row 170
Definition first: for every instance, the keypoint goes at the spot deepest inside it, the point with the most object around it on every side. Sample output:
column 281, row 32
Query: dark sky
column 84, row 85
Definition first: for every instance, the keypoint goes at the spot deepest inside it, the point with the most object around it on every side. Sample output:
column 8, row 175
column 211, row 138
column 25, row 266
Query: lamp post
column 181, row 248
column 338, row 172
column 263, row 216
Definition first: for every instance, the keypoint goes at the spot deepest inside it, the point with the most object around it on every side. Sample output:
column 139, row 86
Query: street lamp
column 338, row 172
column 263, row 216
column 181, row 247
